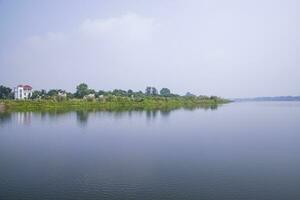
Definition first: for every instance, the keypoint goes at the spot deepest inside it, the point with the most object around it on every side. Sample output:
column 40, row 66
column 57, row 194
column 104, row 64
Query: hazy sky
column 232, row 48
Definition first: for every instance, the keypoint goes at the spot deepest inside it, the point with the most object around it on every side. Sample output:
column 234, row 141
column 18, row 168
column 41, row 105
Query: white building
column 23, row 92
column 62, row 94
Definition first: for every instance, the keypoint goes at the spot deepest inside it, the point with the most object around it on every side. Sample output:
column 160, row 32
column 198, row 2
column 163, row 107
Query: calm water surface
column 244, row 151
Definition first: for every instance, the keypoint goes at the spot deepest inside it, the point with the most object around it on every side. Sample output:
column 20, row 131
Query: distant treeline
column 278, row 98
column 84, row 92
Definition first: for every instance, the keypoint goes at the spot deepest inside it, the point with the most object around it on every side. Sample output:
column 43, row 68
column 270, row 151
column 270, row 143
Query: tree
column 139, row 94
column 119, row 92
column 154, row 91
column 43, row 92
column 36, row 94
column 39, row 94
column 188, row 94
column 151, row 91
column 165, row 92
column 215, row 98
column 130, row 92
column 100, row 93
column 148, row 91
column 91, row 91
column 203, row 97
column 70, row 95
column 82, row 90
column 5, row 92
column 52, row 92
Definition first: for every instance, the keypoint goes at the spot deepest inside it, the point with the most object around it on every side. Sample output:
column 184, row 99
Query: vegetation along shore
column 89, row 99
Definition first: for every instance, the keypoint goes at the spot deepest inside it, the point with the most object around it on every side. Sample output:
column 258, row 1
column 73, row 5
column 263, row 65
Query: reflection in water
column 165, row 113
column 151, row 114
column 82, row 116
column 5, row 117
column 204, row 107
column 53, row 114
column 24, row 118
column 242, row 151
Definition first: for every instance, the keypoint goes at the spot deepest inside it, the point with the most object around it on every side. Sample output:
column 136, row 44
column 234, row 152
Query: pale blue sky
column 227, row 48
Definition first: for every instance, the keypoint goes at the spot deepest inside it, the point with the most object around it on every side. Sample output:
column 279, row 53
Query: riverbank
column 115, row 104
column 2, row 107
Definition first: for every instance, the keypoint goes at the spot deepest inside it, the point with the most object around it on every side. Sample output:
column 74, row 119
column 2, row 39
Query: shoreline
column 120, row 104
column 2, row 107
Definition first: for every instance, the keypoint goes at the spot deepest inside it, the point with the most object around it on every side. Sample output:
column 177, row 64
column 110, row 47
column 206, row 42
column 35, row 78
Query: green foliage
column 118, row 92
column 5, row 92
column 85, row 98
column 148, row 91
column 112, row 102
column 130, row 92
column 154, row 91
column 188, row 94
column 100, row 92
column 214, row 98
column 165, row 92
column 151, row 91
column 36, row 94
column 52, row 92
column 138, row 94
column 82, row 90
column 70, row 95
column 91, row 91
column 203, row 97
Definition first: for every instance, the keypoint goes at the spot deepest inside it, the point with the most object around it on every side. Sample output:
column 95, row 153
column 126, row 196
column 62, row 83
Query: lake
column 242, row 151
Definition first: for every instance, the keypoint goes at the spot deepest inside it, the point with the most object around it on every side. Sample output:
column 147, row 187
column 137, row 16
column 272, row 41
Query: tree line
column 84, row 92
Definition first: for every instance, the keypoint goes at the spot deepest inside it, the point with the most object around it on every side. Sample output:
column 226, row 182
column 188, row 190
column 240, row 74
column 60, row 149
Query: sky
column 231, row 48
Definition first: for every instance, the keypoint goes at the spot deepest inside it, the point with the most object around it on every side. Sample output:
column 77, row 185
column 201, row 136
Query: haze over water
column 237, row 151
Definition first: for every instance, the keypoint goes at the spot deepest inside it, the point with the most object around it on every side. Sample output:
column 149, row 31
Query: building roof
column 25, row 87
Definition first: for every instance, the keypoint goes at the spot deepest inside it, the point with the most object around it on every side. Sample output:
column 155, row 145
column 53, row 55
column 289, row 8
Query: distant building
column 62, row 94
column 23, row 92
column 89, row 97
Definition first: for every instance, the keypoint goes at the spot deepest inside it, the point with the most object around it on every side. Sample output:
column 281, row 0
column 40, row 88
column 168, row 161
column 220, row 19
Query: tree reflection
column 165, row 112
column 203, row 107
column 82, row 117
column 151, row 114
column 5, row 117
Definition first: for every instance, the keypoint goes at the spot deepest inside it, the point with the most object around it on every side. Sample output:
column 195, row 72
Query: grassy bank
column 151, row 103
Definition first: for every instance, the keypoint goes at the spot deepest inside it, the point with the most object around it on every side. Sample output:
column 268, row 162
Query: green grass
column 115, row 104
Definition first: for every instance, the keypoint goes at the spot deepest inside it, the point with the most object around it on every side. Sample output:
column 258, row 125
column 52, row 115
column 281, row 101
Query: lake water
column 239, row 151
